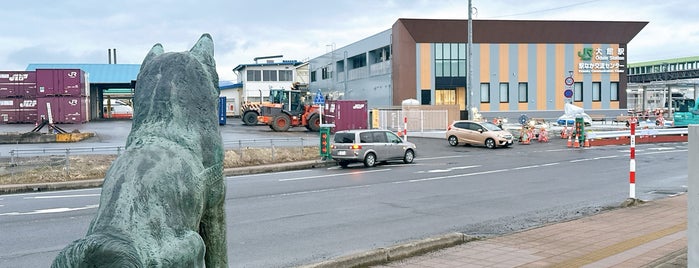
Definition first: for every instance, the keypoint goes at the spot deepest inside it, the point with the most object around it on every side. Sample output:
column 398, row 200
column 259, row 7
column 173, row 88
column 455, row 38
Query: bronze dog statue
column 162, row 202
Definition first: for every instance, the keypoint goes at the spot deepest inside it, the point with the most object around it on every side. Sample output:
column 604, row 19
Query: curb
column 394, row 253
column 94, row 183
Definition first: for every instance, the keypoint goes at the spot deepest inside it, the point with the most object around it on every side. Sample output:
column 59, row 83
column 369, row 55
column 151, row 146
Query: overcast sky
column 79, row 31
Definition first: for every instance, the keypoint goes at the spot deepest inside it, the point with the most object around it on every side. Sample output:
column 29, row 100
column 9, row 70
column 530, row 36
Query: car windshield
column 344, row 138
column 491, row 126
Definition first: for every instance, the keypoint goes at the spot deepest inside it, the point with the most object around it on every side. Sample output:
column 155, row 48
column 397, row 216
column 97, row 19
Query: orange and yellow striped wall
column 540, row 68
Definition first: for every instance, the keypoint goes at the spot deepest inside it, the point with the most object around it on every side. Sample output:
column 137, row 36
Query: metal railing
column 639, row 132
column 88, row 161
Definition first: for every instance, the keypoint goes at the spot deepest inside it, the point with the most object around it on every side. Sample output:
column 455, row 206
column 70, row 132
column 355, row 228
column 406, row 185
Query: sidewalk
column 653, row 234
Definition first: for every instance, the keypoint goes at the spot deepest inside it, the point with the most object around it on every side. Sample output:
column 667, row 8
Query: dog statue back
column 162, row 202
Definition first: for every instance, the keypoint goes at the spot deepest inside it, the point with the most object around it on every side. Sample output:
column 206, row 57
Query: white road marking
column 61, row 196
column 440, row 157
column 49, row 210
column 453, row 176
column 448, row 170
column 266, row 174
column 333, row 175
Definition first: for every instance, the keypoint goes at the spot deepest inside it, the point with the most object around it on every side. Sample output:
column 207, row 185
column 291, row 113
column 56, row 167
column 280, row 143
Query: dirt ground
column 45, row 169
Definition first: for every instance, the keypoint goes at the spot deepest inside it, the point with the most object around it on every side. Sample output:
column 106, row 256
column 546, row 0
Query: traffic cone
column 587, row 142
column 576, row 144
column 525, row 137
column 570, row 141
column 564, row 132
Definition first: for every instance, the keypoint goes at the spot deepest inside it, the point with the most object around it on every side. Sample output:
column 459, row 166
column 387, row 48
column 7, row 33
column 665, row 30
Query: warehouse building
column 518, row 67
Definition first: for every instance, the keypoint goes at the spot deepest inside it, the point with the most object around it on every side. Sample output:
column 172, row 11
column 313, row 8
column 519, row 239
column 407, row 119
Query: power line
column 544, row 10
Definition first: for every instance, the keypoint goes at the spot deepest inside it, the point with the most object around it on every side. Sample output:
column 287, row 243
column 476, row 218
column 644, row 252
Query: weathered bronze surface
column 162, row 202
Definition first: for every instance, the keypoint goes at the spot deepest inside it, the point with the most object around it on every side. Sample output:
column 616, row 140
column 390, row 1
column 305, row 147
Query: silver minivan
column 370, row 146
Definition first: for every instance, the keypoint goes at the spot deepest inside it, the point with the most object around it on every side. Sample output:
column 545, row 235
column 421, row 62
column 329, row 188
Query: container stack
column 27, row 96
column 65, row 92
column 18, row 103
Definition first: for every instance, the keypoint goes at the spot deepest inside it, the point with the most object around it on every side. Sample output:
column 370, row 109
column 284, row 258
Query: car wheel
column 453, row 141
column 409, row 157
column 343, row 164
column 370, row 160
column 490, row 143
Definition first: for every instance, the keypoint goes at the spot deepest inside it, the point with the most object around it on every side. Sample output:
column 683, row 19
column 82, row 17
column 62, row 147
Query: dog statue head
column 176, row 98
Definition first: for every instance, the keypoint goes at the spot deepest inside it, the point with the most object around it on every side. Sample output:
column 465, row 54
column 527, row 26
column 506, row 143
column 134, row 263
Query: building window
column 504, row 92
column 596, row 91
column 286, row 75
column 326, row 73
column 269, row 75
column 313, row 76
column 450, row 60
column 577, row 91
column 445, row 96
column 254, row 75
column 614, row 91
column 523, row 92
column 485, row 92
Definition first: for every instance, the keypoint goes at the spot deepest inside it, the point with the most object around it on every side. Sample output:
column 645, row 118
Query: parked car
column 478, row 133
column 370, row 146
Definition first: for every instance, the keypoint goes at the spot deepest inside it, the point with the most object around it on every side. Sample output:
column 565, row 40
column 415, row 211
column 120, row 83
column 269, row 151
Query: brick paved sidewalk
column 652, row 234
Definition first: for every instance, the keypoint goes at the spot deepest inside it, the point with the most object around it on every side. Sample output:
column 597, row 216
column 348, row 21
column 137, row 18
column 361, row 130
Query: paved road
column 299, row 217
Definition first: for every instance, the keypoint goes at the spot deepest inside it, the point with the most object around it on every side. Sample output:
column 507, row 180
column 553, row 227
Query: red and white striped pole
column 632, row 163
column 405, row 128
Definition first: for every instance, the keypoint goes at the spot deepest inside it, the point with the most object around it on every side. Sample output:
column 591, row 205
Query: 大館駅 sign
column 601, row 60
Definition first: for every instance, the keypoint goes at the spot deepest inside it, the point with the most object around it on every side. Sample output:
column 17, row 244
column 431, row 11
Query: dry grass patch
column 43, row 169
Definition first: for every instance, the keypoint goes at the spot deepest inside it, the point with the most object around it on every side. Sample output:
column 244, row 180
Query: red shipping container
column 346, row 114
column 17, row 84
column 27, row 91
column 18, row 110
column 61, row 82
column 17, row 77
column 65, row 109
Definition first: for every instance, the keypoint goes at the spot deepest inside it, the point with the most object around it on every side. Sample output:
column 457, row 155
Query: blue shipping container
column 221, row 110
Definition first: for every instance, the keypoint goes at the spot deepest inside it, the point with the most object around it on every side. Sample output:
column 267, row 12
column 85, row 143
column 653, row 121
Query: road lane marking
column 332, row 175
column 448, row 170
column 55, row 192
column 61, row 196
column 453, row 176
column 535, row 166
column 440, row 157
column 266, row 174
column 49, row 210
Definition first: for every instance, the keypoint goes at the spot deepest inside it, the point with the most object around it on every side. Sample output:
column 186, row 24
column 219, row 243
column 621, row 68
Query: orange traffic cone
column 587, row 142
column 564, row 132
column 570, row 141
column 525, row 137
column 576, row 144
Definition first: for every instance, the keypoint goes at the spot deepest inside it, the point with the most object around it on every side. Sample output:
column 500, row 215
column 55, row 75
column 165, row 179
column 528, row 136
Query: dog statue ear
column 204, row 49
column 156, row 50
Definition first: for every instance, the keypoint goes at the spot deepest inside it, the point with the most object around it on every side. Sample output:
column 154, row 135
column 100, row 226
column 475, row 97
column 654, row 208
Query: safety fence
column 62, row 164
column 417, row 120
column 639, row 132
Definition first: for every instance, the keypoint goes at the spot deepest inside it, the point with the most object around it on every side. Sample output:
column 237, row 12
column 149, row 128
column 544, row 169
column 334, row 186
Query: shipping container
column 62, row 82
column 18, row 91
column 346, row 114
column 65, row 109
column 16, row 110
column 17, row 77
column 17, row 84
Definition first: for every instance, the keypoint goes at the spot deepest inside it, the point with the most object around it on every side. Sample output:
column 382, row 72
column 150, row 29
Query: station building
column 518, row 66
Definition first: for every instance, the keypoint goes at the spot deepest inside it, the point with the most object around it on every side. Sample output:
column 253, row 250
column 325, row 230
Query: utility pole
column 469, row 76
